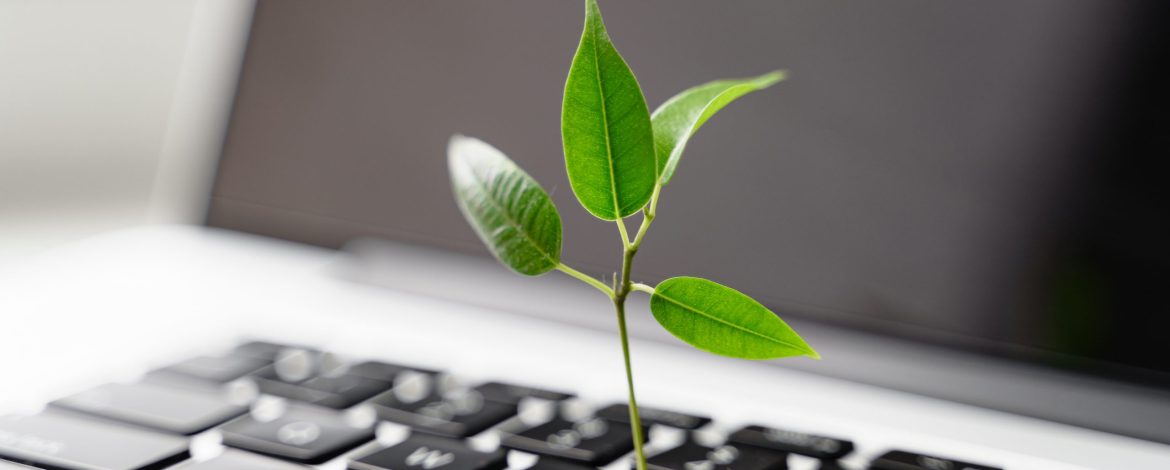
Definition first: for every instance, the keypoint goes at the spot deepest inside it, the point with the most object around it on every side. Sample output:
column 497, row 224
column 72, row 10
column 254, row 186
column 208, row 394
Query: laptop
column 955, row 204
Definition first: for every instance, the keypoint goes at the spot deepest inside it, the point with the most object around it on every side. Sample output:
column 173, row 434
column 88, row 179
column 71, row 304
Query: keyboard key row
column 83, row 431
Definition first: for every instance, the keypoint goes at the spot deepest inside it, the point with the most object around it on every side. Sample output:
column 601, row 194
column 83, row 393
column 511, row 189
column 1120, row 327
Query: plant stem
column 622, row 231
column 642, row 287
column 635, row 420
column 619, row 302
column 586, row 279
column 621, row 289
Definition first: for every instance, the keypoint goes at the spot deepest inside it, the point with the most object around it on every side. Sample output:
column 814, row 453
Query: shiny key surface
column 59, row 440
column 265, row 350
column 213, row 369
column 902, row 460
column 594, row 441
column 554, row 464
column 430, row 453
column 170, row 409
column 388, row 371
column 513, row 393
column 301, row 434
column 692, row 456
column 232, row 459
column 456, row 413
column 337, row 392
column 820, row 447
column 653, row 416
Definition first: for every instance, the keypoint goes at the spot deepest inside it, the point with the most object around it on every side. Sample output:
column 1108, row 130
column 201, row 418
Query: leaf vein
column 725, row 322
column 482, row 186
column 613, row 189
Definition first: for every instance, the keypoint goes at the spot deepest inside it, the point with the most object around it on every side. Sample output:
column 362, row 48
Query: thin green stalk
column 562, row 267
column 642, row 287
column 618, row 294
column 652, row 208
column 635, row 420
column 619, row 303
column 624, row 233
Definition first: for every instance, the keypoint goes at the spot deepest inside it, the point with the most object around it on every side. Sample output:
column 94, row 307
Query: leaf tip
column 772, row 78
column 456, row 141
column 813, row 354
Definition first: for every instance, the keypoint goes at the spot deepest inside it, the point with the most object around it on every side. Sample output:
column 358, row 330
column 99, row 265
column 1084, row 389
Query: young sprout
column 619, row 157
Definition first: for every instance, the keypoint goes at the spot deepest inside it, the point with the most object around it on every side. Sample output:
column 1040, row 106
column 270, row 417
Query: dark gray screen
column 922, row 172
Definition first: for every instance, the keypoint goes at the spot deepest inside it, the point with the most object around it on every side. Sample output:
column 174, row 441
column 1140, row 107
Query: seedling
column 619, row 157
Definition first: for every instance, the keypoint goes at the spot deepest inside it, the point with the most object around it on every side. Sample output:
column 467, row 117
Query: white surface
column 110, row 307
column 86, row 91
column 111, row 113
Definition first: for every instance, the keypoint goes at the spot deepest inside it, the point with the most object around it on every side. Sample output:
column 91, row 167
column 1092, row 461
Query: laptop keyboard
column 280, row 407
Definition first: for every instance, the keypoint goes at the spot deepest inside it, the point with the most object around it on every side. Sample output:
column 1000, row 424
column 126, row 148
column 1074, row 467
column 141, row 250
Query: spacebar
column 63, row 441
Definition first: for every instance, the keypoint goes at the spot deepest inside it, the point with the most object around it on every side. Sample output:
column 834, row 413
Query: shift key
column 59, row 440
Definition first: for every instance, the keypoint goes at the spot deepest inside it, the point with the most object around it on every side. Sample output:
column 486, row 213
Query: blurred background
column 106, row 114
column 985, row 176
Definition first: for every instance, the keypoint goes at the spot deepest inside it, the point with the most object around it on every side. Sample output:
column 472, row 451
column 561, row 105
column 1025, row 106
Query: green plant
column 619, row 157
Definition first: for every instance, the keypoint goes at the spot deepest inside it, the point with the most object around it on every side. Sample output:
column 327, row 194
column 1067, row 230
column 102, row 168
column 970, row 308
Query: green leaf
column 721, row 320
column 507, row 208
column 682, row 115
column 605, row 126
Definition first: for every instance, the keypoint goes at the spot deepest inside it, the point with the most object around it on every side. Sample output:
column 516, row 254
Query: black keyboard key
column 232, row 459
column 653, row 416
column 692, row 456
column 343, row 391
column 594, row 441
column 830, row 465
column 265, row 350
column 218, row 370
column 457, row 413
column 385, row 371
column 430, row 453
column 337, row 392
column 820, row 447
column 902, row 460
column 180, row 411
column 510, row 393
column 554, row 464
column 302, row 434
column 58, row 440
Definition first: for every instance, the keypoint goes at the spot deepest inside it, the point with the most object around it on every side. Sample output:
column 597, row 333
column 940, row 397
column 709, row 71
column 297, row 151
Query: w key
column 422, row 452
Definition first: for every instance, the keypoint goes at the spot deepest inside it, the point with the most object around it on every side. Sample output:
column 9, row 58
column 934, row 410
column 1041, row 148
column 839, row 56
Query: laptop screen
column 975, row 174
